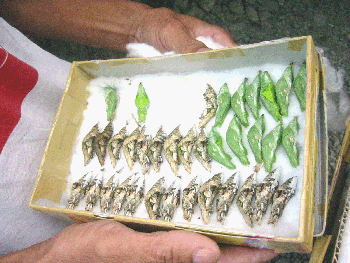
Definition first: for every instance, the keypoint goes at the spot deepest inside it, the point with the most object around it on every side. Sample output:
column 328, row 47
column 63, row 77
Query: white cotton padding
column 137, row 50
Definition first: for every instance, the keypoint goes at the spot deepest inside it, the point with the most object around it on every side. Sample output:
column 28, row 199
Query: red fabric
column 17, row 79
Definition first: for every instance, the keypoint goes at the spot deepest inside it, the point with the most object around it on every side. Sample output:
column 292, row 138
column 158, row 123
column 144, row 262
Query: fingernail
column 204, row 255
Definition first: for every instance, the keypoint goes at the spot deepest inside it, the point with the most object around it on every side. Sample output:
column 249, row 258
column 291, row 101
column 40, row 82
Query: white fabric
column 21, row 226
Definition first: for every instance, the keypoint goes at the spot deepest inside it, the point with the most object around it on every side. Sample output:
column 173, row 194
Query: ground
column 252, row 21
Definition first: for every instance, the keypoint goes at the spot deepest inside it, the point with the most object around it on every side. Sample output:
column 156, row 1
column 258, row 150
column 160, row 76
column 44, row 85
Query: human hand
column 110, row 241
column 113, row 24
column 169, row 31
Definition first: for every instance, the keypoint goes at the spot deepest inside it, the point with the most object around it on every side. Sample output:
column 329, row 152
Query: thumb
column 245, row 254
column 114, row 242
column 178, row 246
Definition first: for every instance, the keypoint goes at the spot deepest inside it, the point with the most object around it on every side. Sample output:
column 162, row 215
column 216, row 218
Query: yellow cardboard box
column 51, row 181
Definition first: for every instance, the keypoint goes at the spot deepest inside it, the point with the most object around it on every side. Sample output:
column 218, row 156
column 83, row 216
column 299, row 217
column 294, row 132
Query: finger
column 119, row 243
column 245, row 254
column 222, row 37
column 180, row 246
column 176, row 37
column 217, row 34
column 201, row 28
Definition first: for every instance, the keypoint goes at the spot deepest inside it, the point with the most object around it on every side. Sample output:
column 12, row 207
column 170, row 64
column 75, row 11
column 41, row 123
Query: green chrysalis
column 234, row 140
column 283, row 87
column 216, row 151
column 268, row 96
column 142, row 103
column 269, row 146
column 111, row 102
column 300, row 84
column 224, row 103
column 254, row 136
column 252, row 95
column 238, row 103
column 289, row 142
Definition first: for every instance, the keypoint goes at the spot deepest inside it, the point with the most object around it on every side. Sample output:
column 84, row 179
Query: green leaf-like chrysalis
column 268, row 96
column 254, row 136
column 224, row 103
column 252, row 95
column 300, row 84
column 111, row 102
column 142, row 103
column 234, row 140
column 238, row 104
column 269, row 146
column 289, row 142
column 216, row 151
column 283, row 87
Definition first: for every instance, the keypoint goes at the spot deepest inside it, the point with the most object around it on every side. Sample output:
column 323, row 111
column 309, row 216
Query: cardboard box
column 331, row 245
column 52, row 176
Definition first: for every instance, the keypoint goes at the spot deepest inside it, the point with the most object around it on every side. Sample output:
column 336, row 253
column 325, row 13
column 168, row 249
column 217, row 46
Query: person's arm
column 109, row 241
column 111, row 24
column 36, row 253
